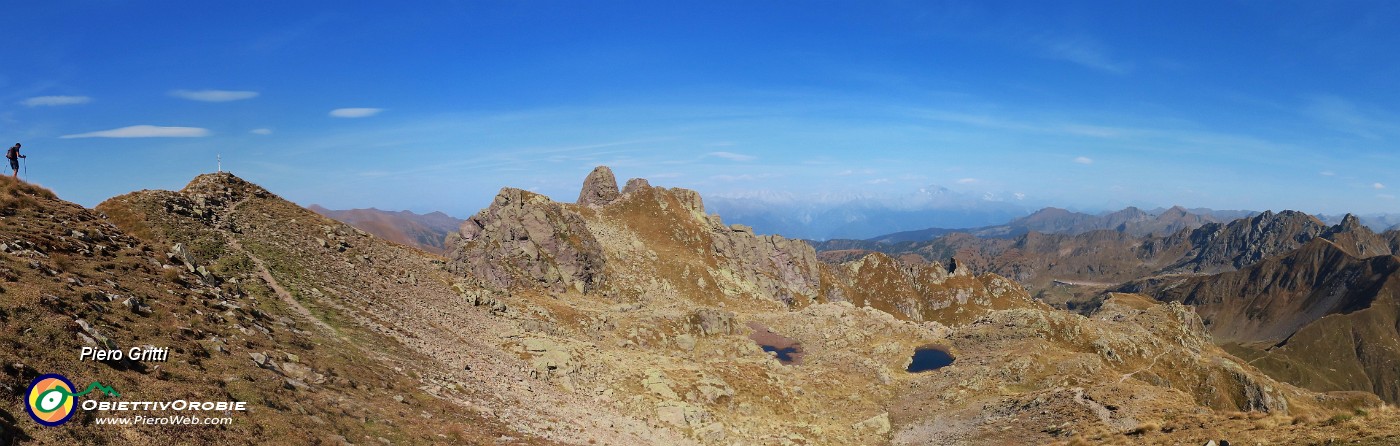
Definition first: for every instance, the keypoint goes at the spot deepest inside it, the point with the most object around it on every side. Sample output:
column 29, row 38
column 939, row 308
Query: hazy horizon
column 1090, row 106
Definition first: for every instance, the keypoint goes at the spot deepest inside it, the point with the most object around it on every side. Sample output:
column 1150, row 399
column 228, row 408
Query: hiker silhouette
column 14, row 157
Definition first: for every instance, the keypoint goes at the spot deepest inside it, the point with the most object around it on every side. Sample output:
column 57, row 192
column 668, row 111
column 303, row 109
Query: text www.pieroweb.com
column 140, row 420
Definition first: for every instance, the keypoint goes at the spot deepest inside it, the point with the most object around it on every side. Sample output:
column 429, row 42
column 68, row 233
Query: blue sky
column 435, row 106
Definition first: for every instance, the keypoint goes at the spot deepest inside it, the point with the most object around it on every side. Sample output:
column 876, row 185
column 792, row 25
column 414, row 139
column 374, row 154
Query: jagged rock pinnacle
column 599, row 188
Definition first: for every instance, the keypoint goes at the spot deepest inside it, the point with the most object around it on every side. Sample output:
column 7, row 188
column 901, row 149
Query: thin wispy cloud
column 1377, row 186
column 1344, row 116
column 967, row 181
column 263, row 131
column 214, row 95
column 51, row 101
column 144, row 131
column 1084, row 51
column 1327, row 173
column 1084, row 160
column 849, row 172
column 743, row 177
column 358, row 112
column 1096, row 131
column 732, row 156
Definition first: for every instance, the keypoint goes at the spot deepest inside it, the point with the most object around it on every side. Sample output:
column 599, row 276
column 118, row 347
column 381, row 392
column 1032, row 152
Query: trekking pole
column 25, row 160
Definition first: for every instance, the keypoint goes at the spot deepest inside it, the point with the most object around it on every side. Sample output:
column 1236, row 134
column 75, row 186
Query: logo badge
column 50, row 400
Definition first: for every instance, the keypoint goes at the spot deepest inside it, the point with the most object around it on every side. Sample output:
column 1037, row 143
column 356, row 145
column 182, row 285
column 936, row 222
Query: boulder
column 712, row 322
column 180, row 254
column 549, row 357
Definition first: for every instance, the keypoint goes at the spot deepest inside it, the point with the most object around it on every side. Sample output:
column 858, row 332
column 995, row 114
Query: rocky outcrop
column 634, row 185
column 786, row 270
column 599, row 188
column 1244, row 242
column 1357, row 239
column 525, row 239
column 712, row 322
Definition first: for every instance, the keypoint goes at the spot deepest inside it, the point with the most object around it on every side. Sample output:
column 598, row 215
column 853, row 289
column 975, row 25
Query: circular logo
column 50, row 400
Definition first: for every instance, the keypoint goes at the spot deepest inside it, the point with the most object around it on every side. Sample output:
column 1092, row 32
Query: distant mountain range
column 835, row 216
column 422, row 231
column 1051, row 220
column 1120, row 246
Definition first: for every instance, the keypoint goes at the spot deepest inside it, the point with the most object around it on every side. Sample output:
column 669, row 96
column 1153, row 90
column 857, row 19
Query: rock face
column 599, row 188
column 1246, row 241
column 786, row 270
column 635, row 184
column 523, row 238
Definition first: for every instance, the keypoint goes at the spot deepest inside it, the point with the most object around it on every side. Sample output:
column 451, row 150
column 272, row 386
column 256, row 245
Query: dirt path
column 281, row 292
column 266, row 275
column 1148, row 367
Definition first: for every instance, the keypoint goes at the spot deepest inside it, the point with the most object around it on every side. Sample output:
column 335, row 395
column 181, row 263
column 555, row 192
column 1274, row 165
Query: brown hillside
column 1318, row 317
column 72, row 278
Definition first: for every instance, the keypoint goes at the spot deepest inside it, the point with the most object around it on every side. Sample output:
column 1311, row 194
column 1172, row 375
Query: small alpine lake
column 786, row 350
column 930, row 358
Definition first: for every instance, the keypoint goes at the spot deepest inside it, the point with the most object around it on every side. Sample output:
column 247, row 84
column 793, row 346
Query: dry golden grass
column 14, row 188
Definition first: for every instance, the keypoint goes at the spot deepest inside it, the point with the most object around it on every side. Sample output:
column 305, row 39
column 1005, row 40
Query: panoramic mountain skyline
column 1084, row 105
